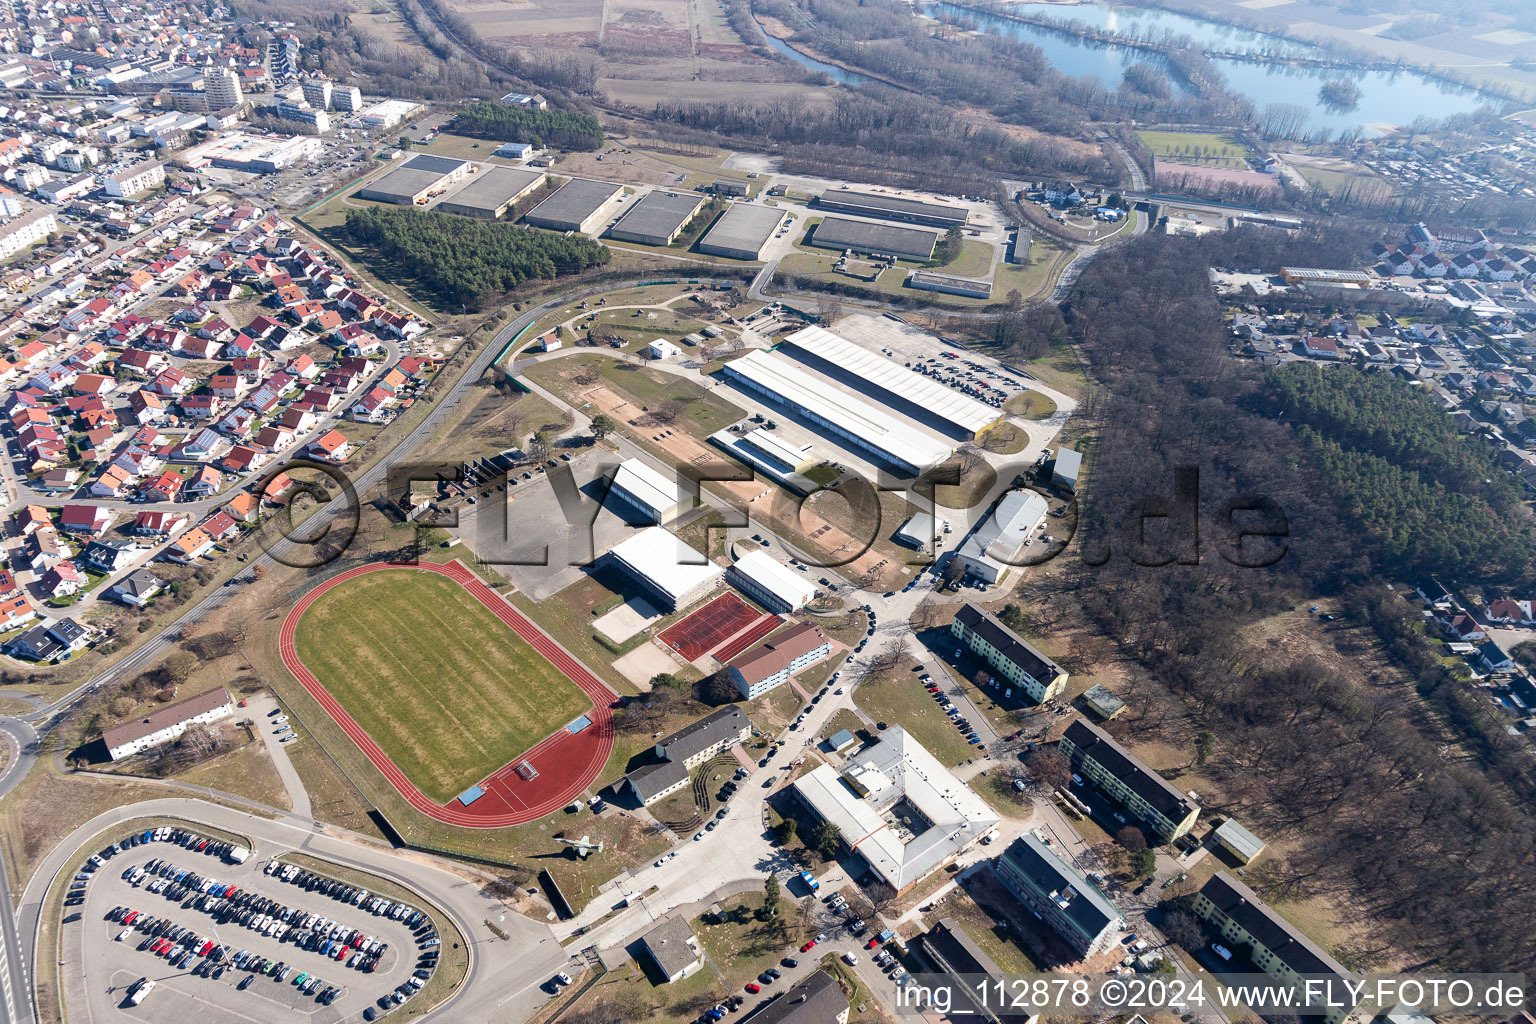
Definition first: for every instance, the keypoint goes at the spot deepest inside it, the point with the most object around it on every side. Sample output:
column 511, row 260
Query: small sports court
column 709, row 627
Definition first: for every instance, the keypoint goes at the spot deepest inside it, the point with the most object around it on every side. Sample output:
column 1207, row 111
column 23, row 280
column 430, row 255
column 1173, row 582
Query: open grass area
column 441, row 684
column 1336, row 180
column 973, row 260
column 899, row 698
column 699, row 411
column 1031, row 405
column 997, row 943
column 1212, row 149
column 246, row 771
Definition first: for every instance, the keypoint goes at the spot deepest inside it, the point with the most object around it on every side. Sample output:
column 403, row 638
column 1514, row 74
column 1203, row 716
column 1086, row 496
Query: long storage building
column 997, row 545
column 850, row 421
column 413, row 182
column 920, row 397
column 578, row 205
column 743, row 232
column 910, row 211
column 639, row 490
column 770, row 582
column 657, row 218
column 666, row 568
column 884, row 239
column 492, row 192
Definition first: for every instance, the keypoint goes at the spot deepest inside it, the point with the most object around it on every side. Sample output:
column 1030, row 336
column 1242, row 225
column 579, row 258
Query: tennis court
column 707, row 628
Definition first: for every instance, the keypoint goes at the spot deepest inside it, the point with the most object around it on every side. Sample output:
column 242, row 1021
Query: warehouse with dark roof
column 492, row 192
column 413, row 182
column 657, row 218
column 580, row 204
column 743, row 232
column 911, row 211
column 886, row 239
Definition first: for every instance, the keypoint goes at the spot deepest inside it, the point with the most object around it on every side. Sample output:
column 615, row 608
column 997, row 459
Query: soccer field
column 443, row 686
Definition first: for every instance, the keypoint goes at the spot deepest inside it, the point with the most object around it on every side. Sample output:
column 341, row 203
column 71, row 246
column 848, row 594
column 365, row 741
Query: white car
column 122, row 936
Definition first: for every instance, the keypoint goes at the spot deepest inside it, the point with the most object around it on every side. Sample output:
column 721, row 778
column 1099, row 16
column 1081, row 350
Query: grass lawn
column 1031, row 405
column 448, row 691
column 1335, row 181
column 1035, row 276
column 997, row 943
column 899, row 698
column 973, row 260
column 740, row 946
column 1211, row 149
column 1005, row 438
column 246, row 771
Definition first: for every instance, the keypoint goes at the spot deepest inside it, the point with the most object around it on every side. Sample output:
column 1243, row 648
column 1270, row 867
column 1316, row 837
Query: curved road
column 504, row 975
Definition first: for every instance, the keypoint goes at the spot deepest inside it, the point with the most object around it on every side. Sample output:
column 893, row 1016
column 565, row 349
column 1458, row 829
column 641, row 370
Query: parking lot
column 178, row 911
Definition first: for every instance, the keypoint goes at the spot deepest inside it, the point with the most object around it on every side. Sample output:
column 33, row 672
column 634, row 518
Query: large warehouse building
column 852, row 422
column 657, row 218
column 639, row 490
column 770, row 582
column 578, row 205
column 911, row 211
column 666, row 568
column 886, row 379
column 493, row 190
column 898, row 808
column 884, row 239
column 771, row 455
column 415, row 180
column 258, row 154
column 998, row 544
column 743, row 232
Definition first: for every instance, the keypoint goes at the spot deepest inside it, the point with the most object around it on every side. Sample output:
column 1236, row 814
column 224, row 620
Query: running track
column 567, row 762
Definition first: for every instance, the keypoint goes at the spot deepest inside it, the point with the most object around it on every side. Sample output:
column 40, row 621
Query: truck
column 237, row 855
column 810, row 881
column 140, row 989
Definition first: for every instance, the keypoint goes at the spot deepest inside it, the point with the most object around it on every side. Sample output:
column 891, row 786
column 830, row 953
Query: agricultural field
column 442, row 685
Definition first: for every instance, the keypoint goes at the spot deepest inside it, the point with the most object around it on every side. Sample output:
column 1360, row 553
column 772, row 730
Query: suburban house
column 672, row 947
column 168, row 723
column 1149, row 801
column 1008, row 654
column 136, row 588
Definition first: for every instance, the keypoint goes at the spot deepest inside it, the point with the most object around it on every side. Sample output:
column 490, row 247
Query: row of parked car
column 961, row 722
column 163, row 937
column 77, row 887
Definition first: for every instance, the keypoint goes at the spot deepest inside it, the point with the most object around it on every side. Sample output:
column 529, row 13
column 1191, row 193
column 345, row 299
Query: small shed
column 842, row 740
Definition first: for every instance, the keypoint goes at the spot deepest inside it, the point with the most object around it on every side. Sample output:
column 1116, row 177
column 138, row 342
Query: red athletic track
column 696, row 635
column 566, row 762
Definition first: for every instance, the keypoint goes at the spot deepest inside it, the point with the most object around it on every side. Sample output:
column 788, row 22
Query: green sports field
column 442, row 685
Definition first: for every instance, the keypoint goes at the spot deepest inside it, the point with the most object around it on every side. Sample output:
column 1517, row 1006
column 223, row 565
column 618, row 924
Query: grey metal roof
column 672, row 945
column 876, row 205
column 659, row 214
column 1078, row 899
column 415, row 175
column 493, row 188
column 706, row 732
column 744, row 227
column 841, row 233
column 572, row 203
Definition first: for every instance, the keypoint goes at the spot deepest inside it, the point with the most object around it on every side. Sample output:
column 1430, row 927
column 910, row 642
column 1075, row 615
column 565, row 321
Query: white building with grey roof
column 638, row 490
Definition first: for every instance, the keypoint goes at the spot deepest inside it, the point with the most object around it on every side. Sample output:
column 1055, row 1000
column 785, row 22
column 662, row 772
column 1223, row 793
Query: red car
column 754, row 987
column 872, row 943
column 807, row 947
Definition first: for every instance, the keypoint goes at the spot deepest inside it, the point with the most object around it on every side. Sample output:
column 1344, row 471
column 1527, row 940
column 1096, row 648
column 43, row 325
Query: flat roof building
column 413, row 182
column 1238, row 841
column 1066, row 468
column 490, row 193
column 666, row 568
column 259, row 154
column 1102, row 701
column 885, row 239
column 770, row 582
column 1147, row 798
column 887, row 380
column 897, row 808
column 639, row 490
column 1007, row 653
column 997, row 545
column 971, row 288
column 771, row 455
column 578, row 205
column 743, row 231
column 910, row 211
column 657, row 218
column 673, row 948
column 1074, row 908
column 852, row 422
column 773, row 661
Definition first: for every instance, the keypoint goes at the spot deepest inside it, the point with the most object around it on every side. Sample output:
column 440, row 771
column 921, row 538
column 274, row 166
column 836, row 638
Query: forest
column 1346, row 762
column 503, row 122
column 468, row 261
column 1432, row 500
